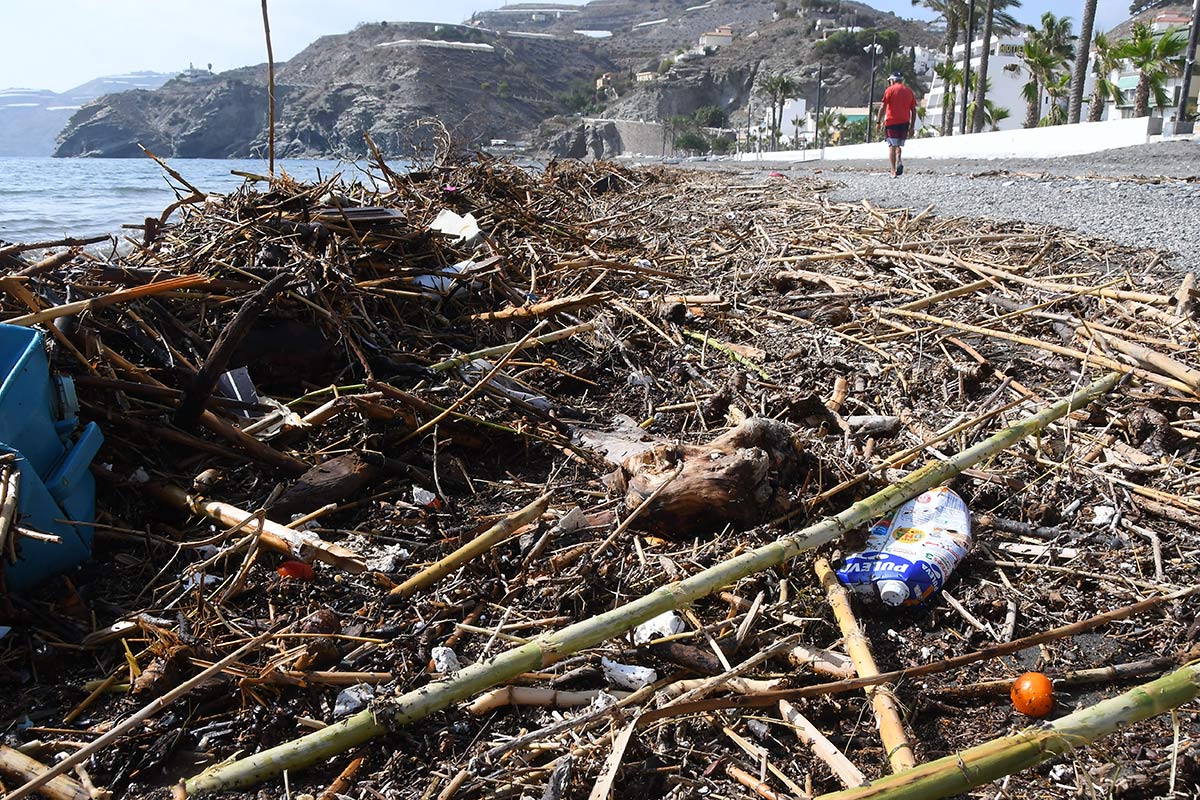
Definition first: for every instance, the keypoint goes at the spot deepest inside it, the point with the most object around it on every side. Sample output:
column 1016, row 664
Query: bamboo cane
column 14, row 762
column 556, row 306
column 1095, row 358
column 272, row 535
column 119, row 296
column 822, row 748
column 550, row 648
column 477, row 546
column 887, row 711
column 960, row 772
column 499, row 350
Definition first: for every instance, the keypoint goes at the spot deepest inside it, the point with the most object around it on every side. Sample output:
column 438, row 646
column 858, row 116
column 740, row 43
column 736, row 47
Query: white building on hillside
column 721, row 37
column 1006, row 78
column 924, row 60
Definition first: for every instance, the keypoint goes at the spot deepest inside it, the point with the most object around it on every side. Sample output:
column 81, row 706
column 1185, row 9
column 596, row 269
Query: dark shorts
column 897, row 135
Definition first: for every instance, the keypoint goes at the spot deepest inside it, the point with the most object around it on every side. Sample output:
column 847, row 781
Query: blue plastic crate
column 58, row 492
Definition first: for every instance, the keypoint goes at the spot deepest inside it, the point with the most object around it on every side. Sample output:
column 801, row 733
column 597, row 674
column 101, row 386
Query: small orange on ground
column 297, row 570
column 1033, row 694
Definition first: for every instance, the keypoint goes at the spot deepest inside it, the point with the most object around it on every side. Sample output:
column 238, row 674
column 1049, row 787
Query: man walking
column 899, row 116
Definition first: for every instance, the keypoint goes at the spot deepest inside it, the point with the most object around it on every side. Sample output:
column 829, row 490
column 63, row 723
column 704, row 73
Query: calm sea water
column 48, row 198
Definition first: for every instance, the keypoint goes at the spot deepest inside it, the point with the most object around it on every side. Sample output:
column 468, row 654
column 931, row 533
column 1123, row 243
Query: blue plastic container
column 58, row 492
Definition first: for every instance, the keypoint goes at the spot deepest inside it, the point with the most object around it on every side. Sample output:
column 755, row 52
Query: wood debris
column 626, row 377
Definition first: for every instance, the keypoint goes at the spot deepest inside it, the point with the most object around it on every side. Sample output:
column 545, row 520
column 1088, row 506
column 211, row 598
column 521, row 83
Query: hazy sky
column 57, row 44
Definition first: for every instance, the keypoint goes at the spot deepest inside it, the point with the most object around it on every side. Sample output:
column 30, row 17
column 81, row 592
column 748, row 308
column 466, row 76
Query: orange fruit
column 1033, row 694
column 297, row 570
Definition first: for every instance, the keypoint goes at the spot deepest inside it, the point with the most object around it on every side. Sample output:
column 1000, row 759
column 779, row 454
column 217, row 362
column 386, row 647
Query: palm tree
column 825, row 123
column 1059, row 88
column 1107, row 61
column 1079, row 73
column 980, row 110
column 951, row 75
column 953, row 12
column 1045, row 52
column 1151, row 56
column 796, row 123
column 981, row 83
column 1056, row 35
column 1041, row 65
column 777, row 89
column 839, row 126
column 997, row 114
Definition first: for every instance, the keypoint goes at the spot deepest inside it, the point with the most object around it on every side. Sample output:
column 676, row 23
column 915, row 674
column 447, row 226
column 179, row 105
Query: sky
column 58, row 44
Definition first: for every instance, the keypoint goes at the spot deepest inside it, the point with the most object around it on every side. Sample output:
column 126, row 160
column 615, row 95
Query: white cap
column 893, row 593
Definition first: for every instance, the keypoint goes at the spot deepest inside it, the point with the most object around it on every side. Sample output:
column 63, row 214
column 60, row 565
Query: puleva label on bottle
column 920, row 545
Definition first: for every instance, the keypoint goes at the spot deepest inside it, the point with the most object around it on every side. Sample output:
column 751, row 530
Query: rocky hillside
column 801, row 42
column 506, row 74
column 639, row 30
column 30, row 118
column 379, row 78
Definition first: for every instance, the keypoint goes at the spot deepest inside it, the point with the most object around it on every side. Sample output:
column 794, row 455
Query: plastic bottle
column 910, row 556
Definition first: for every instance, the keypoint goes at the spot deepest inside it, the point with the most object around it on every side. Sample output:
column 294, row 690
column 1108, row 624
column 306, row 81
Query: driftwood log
column 741, row 478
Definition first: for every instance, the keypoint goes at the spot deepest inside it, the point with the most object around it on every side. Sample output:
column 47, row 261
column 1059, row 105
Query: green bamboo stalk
column 986, row 762
column 551, row 647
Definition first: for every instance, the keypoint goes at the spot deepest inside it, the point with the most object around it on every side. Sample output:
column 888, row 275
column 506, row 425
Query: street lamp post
column 874, row 48
column 1182, row 123
column 820, row 82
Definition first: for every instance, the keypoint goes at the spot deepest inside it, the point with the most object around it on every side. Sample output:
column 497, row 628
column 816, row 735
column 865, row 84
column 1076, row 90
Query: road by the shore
column 1145, row 197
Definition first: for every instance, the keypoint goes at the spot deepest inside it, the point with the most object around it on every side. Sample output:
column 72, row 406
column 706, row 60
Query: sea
column 50, row 198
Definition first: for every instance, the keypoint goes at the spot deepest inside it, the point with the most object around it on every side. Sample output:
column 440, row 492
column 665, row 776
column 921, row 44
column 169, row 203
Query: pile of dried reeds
column 663, row 370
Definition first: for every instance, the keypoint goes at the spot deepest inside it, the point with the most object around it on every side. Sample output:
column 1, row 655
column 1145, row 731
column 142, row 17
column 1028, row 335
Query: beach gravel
column 1145, row 197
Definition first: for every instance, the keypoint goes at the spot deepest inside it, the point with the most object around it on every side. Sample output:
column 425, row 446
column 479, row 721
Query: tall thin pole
column 270, row 90
column 966, row 71
column 749, row 118
column 871, row 93
column 820, row 79
column 1186, row 88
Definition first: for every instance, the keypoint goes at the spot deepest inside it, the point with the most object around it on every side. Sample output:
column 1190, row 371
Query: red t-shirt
column 898, row 103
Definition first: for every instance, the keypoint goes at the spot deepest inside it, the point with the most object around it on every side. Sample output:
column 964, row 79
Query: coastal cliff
column 379, row 78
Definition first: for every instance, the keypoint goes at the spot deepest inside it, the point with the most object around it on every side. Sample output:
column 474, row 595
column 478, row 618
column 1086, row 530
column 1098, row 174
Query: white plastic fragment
column 572, row 521
column 424, row 497
column 443, row 282
column 601, row 701
column 1102, row 515
column 352, row 699
column 757, row 727
column 665, row 624
column 627, row 676
column 445, row 660
column 460, row 227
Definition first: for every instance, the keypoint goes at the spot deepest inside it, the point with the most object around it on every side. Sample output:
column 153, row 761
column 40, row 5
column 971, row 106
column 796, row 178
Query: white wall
column 1059, row 140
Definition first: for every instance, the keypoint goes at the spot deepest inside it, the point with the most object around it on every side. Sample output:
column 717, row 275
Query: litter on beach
column 544, row 492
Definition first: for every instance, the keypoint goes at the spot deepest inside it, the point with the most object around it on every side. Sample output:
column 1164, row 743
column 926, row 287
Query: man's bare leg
column 898, row 166
column 893, row 153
